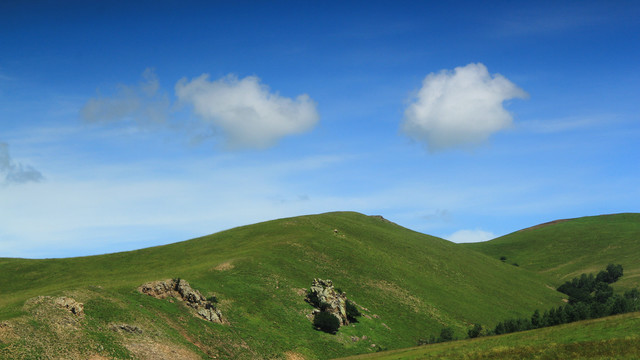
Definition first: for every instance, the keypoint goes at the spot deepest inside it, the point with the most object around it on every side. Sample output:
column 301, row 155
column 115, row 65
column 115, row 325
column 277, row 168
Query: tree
column 475, row 331
column 603, row 292
column 535, row 319
column 615, row 272
column 446, row 334
column 326, row 322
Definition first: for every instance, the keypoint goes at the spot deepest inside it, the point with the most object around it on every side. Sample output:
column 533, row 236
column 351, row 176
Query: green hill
column 565, row 249
column 409, row 284
column 614, row 337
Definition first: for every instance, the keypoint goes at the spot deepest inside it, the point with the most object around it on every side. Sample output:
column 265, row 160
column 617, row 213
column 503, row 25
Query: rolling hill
column 408, row 285
column 614, row 337
column 564, row 249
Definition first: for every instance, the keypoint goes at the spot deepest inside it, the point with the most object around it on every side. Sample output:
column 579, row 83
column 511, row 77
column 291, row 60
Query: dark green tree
column 475, row 331
column 326, row 322
column 446, row 334
column 535, row 319
column 602, row 292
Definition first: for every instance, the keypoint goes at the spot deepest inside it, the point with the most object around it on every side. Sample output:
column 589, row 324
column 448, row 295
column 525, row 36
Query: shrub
column 446, row 334
column 326, row 322
column 475, row 331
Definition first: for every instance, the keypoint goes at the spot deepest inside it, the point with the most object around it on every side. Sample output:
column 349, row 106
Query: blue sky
column 132, row 124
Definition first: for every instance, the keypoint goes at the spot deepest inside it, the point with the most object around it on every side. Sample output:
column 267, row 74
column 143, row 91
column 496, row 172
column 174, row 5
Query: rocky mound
column 180, row 289
column 324, row 297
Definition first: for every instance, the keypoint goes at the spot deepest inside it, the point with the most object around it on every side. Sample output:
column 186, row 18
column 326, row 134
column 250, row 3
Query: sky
column 129, row 124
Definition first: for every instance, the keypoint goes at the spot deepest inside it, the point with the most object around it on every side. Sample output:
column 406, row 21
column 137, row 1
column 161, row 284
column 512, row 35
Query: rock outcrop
column 76, row 308
column 324, row 297
column 181, row 289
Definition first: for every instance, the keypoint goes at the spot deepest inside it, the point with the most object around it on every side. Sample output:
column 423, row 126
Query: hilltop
column 408, row 286
column 564, row 249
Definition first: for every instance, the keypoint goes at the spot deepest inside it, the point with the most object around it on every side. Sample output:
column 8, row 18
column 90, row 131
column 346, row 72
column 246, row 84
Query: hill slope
column 411, row 285
column 565, row 249
column 614, row 337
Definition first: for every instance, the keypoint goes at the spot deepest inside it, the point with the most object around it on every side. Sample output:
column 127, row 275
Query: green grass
column 615, row 337
column 566, row 249
column 413, row 283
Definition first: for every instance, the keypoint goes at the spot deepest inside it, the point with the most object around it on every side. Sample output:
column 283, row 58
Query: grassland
column 615, row 337
column 410, row 284
column 563, row 250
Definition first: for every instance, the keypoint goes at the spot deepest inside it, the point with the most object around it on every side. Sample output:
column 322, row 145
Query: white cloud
column 15, row 172
column 459, row 108
column 470, row 236
column 249, row 115
column 142, row 103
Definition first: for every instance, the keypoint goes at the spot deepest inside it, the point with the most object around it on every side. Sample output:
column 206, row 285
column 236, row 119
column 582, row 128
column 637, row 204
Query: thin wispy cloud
column 241, row 113
column 459, row 108
column 247, row 112
column 143, row 104
column 16, row 172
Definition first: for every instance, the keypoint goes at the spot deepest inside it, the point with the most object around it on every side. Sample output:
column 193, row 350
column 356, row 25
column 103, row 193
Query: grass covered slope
column 614, row 337
column 565, row 249
column 411, row 285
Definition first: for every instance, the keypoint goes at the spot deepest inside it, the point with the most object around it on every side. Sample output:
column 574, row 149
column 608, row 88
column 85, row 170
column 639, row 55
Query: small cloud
column 246, row 111
column 470, row 236
column 16, row 173
column 438, row 215
column 457, row 108
column 142, row 103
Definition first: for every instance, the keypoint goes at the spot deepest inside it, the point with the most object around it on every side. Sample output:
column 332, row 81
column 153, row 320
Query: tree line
column 590, row 297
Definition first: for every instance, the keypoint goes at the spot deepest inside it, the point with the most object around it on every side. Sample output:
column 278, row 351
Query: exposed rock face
column 181, row 289
column 324, row 297
column 70, row 304
column 126, row 328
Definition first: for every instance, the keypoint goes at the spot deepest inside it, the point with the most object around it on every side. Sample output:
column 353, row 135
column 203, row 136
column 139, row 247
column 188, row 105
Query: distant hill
column 408, row 286
column 564, row 249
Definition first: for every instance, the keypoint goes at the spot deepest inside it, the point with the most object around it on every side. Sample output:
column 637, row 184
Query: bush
column 446, row 334
column 475, row 331
column 326, row 322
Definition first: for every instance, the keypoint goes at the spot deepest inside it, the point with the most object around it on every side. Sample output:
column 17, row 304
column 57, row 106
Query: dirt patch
column 160, row 351
column 228, row 265
column 290, row 355
column 7, row 334
column 300, row 292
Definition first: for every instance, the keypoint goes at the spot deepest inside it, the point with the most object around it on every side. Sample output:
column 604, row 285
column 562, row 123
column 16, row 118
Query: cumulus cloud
column 457, row 108
column 247, row 112
column 469, row 236
column 16, row 173
column 143, row 103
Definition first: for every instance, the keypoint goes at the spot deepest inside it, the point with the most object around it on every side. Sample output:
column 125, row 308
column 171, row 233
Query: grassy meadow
column 615, row 337
column 408, row 285
column 563, row 250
